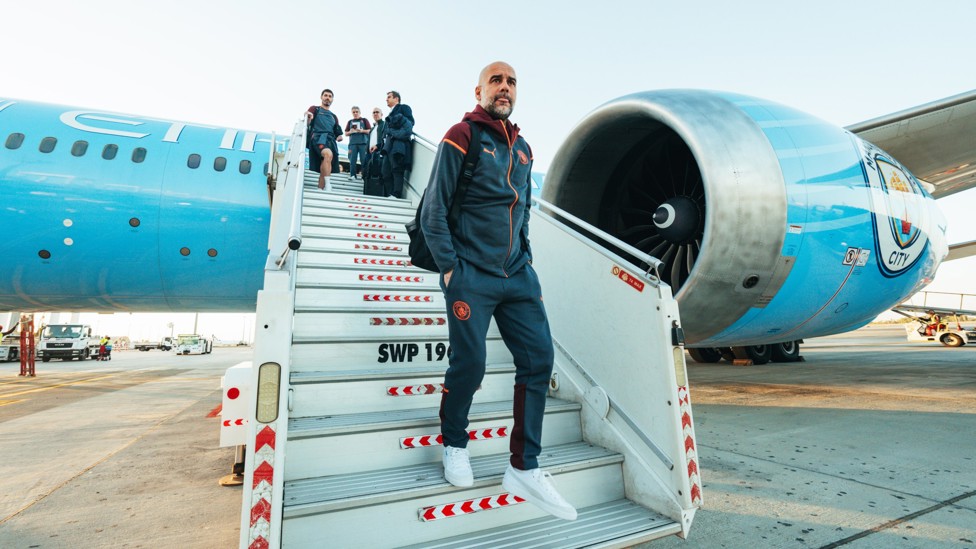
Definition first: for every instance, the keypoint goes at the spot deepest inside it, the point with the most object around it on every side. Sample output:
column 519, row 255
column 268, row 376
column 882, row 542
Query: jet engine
column 772, row 225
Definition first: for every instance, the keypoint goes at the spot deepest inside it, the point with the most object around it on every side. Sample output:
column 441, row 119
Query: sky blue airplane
column 773, row 226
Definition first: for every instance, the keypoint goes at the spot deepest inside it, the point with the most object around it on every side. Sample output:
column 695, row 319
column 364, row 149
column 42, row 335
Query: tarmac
column 869, row 443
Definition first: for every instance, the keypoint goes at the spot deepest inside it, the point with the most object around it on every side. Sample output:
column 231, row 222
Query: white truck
column 165, row 344
column 193, row 344
column 9, row 348
column 67, row 341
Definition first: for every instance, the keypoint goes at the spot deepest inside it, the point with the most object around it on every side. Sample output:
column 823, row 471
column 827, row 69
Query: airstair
column 350, row 351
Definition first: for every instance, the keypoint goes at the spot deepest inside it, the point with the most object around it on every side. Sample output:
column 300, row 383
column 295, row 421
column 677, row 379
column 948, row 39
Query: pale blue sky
column 257, row 65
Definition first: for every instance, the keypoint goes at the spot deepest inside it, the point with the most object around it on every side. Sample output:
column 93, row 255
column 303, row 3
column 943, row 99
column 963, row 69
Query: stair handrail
column 653, row 264
column 286, row 218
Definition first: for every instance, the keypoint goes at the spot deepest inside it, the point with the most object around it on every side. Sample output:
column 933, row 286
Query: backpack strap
column 467, row 173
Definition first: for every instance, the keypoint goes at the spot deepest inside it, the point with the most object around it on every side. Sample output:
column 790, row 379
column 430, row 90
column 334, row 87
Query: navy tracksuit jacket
column 489, row 255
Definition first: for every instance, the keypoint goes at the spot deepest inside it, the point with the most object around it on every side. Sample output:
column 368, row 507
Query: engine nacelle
column 773, row 225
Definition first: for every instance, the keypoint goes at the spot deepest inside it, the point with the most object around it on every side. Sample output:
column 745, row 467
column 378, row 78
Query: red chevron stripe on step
column 347, row 199
column 231, row 422
column 373, row 261
column 376, row 247
column 262, row 487
column 413, row 390
column 399, row 298
column 366, row 216
column 390, row 278
column 425, row 321
column 371, row 225
column 466, row 507
column 356, row 207
column 421, row 441
column 377, row 236
column 691, row 454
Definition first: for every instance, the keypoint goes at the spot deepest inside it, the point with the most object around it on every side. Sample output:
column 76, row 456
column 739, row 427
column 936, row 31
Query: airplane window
column 245, row 167
column 79, row 148
column 109, row 152
column 47, row 144
column 193, row 162
column 266, row 172
column 220, row 163
column 138, row 155
column 15, row 140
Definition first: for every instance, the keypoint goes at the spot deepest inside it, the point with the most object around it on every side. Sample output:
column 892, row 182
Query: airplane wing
column 935, row 141
column 961, row 250
column 908, row 308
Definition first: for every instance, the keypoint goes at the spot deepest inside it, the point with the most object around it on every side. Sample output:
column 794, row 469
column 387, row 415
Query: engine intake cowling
column 659, row 171
column 741, row 198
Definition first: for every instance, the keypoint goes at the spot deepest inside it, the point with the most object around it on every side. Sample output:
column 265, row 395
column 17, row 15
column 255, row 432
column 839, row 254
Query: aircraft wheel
column 788, row 351
column 726, row 353
column 46, row 359
column 705, row 355
column 952, row 340
column 759, row 354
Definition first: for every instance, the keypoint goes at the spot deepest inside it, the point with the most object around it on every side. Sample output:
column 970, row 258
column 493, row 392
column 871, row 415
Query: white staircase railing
column 261, row 506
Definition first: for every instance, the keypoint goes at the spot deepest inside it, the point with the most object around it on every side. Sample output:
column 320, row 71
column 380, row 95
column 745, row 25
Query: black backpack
column 420, row 254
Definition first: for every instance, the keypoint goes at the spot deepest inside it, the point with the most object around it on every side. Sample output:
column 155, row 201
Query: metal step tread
column 298, row 378
column 305, row 427
column 307, row 496
column 619, row 523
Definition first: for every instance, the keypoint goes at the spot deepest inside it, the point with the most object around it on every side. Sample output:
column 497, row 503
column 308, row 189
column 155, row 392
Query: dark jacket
column 398, row 130
column 493, row 230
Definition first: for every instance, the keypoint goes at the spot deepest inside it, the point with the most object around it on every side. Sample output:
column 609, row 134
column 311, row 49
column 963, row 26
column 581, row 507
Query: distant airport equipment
column 9, row 348
column 930, row 323
column 67, row 341
column 193, row 344
column 165, row 344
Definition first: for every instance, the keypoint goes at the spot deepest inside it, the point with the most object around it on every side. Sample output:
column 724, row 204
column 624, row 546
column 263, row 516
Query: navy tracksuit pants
column 473, row 297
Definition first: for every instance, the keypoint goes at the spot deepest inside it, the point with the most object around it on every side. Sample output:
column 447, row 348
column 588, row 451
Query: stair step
column 618, row 523
column 397, row 355
column 401, row 519
column 326, row 298
column 305, row 427
column 353, row 443
column 365, row 259
column 323, row 393
column 312, row 326
column 320, row 277
column 307, row 496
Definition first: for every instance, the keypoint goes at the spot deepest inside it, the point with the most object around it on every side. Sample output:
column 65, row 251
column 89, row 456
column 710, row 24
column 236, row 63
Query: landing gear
column 788, row 351
column 758, row 354
column 705, row 355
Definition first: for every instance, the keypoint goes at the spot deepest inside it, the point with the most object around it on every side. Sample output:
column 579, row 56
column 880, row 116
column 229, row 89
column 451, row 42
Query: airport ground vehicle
column 938, row 324
column 950, row 332
column 193, row 344
column 9, row 348
column 165, row 344
column 67, row 341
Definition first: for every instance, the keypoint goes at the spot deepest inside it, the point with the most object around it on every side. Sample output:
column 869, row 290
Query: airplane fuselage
column 111, row 212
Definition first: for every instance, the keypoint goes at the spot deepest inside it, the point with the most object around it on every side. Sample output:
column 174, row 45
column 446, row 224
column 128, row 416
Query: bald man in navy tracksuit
column 486, row 271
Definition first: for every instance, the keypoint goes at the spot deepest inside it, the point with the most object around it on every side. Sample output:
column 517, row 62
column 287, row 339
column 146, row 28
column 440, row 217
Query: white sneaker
column 457, row 467
column 536, row 487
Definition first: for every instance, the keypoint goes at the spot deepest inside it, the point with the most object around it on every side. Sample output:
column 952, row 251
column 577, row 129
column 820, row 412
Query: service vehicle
column 9, row 348
column 193, row 344
column 67, row 341
column 947, row 330
column 165, row 344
